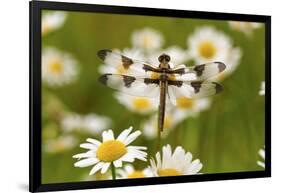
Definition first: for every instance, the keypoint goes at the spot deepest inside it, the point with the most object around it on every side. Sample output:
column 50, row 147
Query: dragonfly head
column 164, row 59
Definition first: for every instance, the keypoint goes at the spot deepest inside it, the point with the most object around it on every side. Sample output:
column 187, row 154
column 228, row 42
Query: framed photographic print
column 127, row 96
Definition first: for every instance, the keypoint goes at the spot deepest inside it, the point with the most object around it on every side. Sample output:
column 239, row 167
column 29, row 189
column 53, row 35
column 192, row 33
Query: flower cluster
column 59, row 69
column 114, row 151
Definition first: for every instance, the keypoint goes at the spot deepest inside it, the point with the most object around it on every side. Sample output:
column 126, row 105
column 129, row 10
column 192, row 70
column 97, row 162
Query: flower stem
column 113, row 172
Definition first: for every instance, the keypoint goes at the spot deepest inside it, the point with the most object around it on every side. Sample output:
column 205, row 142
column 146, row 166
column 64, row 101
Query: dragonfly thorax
column 164, row 60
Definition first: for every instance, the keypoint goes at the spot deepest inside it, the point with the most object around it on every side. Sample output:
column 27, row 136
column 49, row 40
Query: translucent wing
column 192, row 89
column 144, row 87
column 198, row 72
column 125, row 65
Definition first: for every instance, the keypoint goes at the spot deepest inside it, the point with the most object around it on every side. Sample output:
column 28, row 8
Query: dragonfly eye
column 164, row 58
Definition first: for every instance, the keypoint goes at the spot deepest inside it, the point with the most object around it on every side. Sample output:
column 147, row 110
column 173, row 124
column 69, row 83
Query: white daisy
column 172, row 118
column 52, row 21
column 58, row 68
column 141, row 105
column 91, row 123
column 130, row 172
column 174, row 164
column 232, row 61
column 110, row 62
column 262, row 89
column 177, row 54
column 110, row 151
column 209, row 45
column 192, row 106
column 262, row 155
column 62, row 143
column 147, row 39
column 246, row 27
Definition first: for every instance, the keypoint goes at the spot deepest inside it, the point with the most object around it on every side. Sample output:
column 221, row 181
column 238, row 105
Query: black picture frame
column 35, row 145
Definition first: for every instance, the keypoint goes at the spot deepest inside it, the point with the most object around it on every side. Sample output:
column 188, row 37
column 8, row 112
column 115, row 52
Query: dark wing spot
column 150, row 68
column 199, row 69
column 179, row 71
column 221, row 66
column 102, row 53
column 175, row 83
column 103, row 78
column 218, row 87
column 196, row 86
column 127, row 62
column 128, row 80
column 151, row 81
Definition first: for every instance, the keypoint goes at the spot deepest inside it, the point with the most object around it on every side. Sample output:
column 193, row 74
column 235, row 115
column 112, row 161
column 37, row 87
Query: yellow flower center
column 185, row 103
column 111, row 150
column 141, row 103
column 167, row 122
column 147, row 42
column 45, row 28
column 169, row 172
column 136, row 174
column 55, row 67
column 207, row 49
column 59, row 146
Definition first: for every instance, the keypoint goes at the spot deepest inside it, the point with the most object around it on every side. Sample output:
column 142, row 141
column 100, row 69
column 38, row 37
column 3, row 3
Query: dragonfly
column 142, row 79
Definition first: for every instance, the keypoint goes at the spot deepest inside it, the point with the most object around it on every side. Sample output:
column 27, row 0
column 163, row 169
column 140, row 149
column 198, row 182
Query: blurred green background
column 226, row 137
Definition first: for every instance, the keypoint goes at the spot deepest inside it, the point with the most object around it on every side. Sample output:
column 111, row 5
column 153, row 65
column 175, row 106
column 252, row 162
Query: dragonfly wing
column 199, row 72
column 144, row 87
column 192, row 89
column 124, row 65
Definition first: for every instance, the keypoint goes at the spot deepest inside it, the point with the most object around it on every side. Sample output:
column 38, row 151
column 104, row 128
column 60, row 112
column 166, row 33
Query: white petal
column 124, row 134
column 127, row 158
column 193, row 166
column 107, row 135
column 137, row 154
column 138, row 147
column 158, row 160
column 129, row 168
column 178, row 158
column 86, row 162
column 96, row 168
column 110, row 135
column 105, row 167
column 262, row 153
column 261, row 164
column 117, row 163
column 197, row 168
column 84, row 155
column 167, row 155
column 132, row 137
column 94, row 141
column 88, row 146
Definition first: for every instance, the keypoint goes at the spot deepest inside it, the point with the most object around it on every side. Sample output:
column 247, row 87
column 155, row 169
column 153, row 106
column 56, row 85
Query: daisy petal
column 117, row 163
column 96, row 168
column 124, row 134
column 84, row 155
column 105, row 167
column 132, row 137
column 88, row 146
column 86, row 162
column 93, row 141
column 107, row 135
